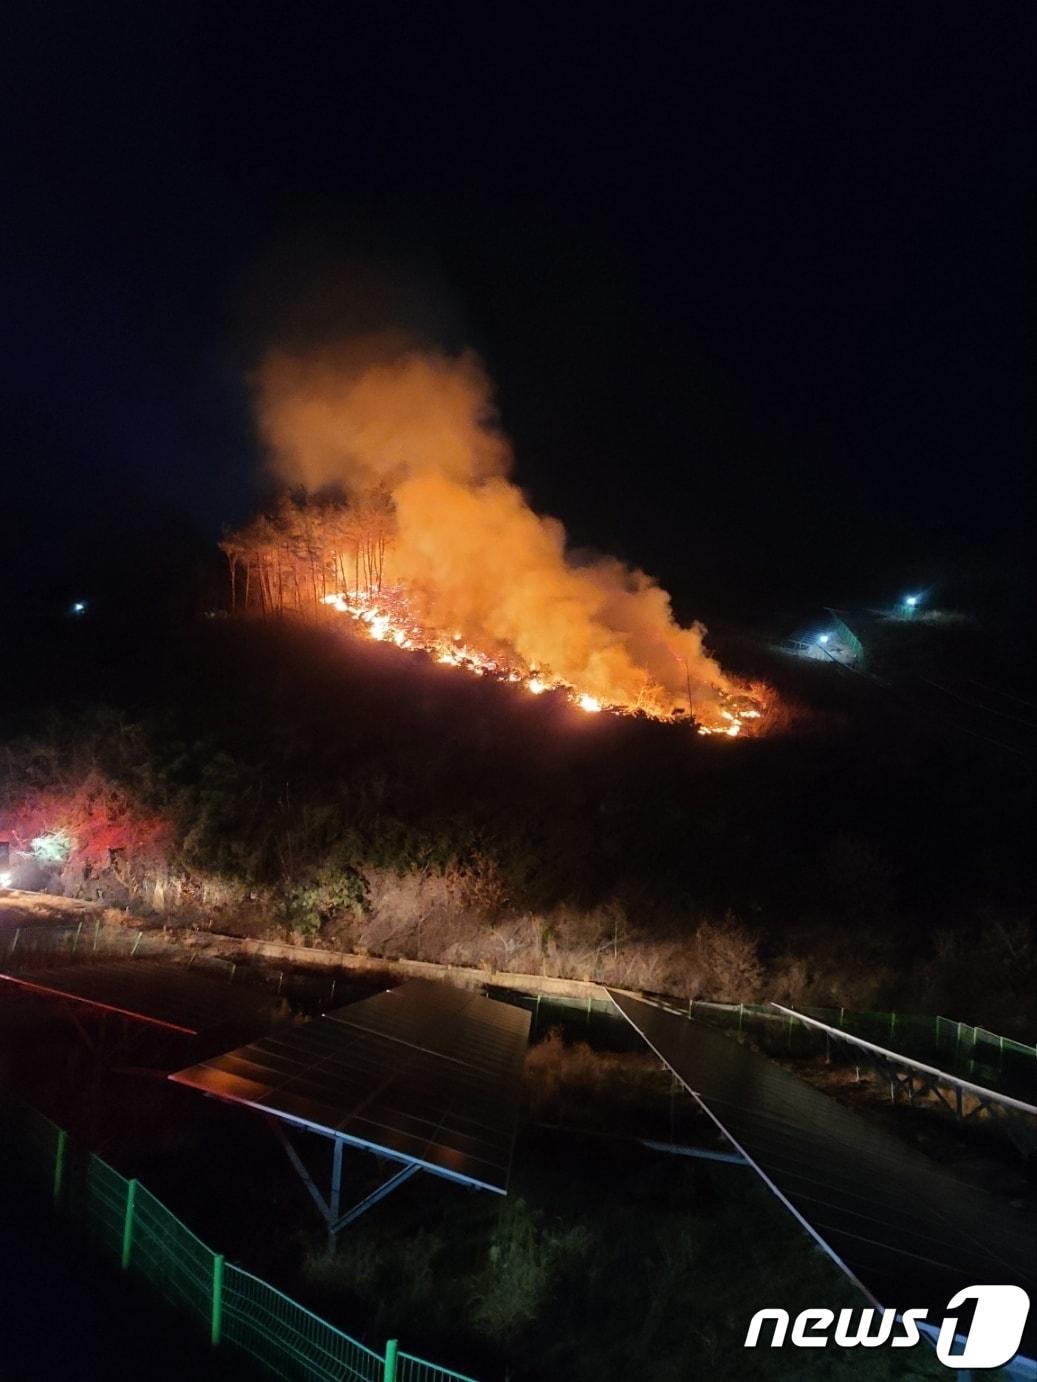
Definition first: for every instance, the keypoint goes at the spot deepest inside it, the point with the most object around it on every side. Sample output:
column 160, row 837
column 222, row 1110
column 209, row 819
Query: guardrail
column 236, row 1308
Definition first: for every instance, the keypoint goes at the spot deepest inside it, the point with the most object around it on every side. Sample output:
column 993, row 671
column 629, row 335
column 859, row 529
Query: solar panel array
column 425, row 1073
column 168, row 995
column 909, row 1233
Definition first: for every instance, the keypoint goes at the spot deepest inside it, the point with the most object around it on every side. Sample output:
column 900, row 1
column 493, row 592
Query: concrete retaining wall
column 310, row 957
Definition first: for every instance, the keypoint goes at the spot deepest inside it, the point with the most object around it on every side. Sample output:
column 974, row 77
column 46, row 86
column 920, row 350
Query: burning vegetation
column 403, row 518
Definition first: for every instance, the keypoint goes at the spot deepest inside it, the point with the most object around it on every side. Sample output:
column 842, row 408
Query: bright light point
column 79, row 607
column 5, row 879
column 823, row 638
column 536, row 685
column 911, row 601
column 589, row 703
column 53, row 848
column 733, row 730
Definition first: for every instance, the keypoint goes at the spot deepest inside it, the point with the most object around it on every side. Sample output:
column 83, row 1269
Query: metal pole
column 59, row 1163
column 389, row 1366
column 217, row 1298
column 14, row 940
column 335, row 1199
column 127, row 1223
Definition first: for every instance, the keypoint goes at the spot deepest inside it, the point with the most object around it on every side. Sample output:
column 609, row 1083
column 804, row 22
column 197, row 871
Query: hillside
column 282, row 778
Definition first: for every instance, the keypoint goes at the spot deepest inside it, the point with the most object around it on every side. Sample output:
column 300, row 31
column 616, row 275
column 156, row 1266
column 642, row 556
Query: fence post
column 136, row 943
column 59, row 1163
column 389, row 1367
column 127, row 1223
column 217, row 1298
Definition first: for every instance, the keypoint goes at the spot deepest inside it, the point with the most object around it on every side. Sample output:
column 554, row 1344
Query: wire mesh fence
column 409, row 1369
column 29, row 946
column 95, row 1194
column 290, row 1341
column 36, row 946
column 237, row 1308
column 170, row 1256
column 968, row 1052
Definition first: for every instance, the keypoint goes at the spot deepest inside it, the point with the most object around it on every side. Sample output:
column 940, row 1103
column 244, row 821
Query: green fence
column 970, row 1052
column 234, row 1307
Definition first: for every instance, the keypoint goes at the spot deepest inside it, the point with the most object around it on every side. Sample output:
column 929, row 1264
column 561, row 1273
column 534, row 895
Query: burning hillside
column 433, row 548
column 386, row 616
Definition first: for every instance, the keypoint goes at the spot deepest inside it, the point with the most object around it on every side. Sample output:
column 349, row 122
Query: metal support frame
column 703, row 1153
column 330, row 1208
column 912, row 1078
column 386, row 1188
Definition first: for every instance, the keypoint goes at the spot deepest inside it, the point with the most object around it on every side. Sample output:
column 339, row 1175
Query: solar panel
column 425, row 1073
column 168, row 995
column 450, row 1022
column 907, row 1232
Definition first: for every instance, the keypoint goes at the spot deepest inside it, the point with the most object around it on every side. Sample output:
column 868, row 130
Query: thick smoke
column 422, row 425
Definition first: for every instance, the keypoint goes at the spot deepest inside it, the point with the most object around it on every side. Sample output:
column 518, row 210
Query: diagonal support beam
column 386, row 1188
column 303, row 1174
column 703, row 1153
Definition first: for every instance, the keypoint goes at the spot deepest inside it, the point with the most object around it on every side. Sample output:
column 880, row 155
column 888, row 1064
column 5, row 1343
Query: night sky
column 750, row 280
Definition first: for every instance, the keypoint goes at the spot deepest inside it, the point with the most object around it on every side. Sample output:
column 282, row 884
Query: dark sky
column 750, row 279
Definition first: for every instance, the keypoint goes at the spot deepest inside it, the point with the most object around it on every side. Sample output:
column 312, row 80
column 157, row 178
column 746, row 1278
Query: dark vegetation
column 273, row 777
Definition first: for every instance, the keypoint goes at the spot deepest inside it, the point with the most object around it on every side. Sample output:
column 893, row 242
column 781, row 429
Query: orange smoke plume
column 422, row 426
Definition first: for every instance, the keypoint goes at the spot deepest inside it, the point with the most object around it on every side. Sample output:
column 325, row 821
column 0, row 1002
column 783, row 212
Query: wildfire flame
column 404, row 507
column 386, row 617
